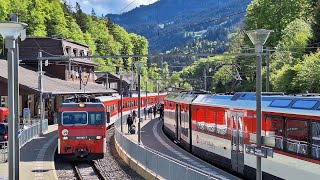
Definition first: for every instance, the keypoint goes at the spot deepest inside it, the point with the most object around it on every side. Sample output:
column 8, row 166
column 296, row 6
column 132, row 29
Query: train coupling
column 82, row 152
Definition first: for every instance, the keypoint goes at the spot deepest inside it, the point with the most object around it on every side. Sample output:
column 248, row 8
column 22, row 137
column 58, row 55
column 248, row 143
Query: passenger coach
column 218, row 127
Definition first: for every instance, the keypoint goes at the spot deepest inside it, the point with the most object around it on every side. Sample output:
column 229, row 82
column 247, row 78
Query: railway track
column 87, row 171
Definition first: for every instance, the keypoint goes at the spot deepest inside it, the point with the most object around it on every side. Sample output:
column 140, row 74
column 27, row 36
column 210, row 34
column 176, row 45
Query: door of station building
column 178, row 122
column 237, row 140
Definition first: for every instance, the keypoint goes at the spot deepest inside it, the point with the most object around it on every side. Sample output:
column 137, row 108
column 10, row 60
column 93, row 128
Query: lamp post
column 10, row 32
column 139, row 65
column 258, row 38
column 121, row 102
column 146, row 105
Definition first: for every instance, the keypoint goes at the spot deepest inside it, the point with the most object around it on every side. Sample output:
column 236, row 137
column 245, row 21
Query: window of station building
column 75, row 52
column 315, row 140
column 304, row 104
column 297, row 136
column 274, row 127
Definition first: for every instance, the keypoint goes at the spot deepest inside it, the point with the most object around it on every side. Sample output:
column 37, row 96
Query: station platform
column 153, row 137
column 37, row 157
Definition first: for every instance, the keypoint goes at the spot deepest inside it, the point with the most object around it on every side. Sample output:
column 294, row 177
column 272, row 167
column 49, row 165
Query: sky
column 109, row 6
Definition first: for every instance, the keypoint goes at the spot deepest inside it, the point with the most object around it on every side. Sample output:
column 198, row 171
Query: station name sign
column 258, row 151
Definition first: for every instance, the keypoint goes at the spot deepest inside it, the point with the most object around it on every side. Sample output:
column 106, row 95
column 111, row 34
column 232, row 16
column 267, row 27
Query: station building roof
column 29, row 79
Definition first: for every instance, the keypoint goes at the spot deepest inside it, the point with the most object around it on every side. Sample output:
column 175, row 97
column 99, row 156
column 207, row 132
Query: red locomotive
column 218, row 128
column 82, row 130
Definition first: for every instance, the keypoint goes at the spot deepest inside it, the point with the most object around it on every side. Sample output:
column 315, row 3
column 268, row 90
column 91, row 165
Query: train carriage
column 222, row 125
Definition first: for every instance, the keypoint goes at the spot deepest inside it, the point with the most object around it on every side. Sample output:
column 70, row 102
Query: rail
column 25, row 135
column 160, row 164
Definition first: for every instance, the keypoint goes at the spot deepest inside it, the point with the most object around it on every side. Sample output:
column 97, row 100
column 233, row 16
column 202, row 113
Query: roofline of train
column 239, row 103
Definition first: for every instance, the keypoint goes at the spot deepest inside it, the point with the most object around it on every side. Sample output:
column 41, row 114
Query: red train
column 218, row 128
column 82, row 123
column 82, row 130
column 112, row 103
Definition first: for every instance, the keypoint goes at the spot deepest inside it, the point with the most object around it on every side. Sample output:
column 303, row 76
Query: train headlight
column 65, row 138
column 99, row 137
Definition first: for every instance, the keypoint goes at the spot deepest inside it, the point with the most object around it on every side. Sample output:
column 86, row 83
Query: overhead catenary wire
column 125, row 7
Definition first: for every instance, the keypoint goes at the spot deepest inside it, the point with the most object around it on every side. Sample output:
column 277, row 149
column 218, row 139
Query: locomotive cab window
column 74, row 118
column 97, row 118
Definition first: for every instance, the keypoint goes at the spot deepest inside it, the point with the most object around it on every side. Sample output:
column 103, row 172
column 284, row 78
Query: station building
column 61, row 78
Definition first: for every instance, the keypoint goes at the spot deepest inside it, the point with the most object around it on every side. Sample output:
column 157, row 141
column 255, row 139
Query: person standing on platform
column 150, row 112
column 161, row 111
column 145, row 112
column 134, row 115
column 154, row 111
column 129, row 122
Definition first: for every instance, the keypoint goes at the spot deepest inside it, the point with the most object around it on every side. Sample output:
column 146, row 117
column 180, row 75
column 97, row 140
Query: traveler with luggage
column 129, row 122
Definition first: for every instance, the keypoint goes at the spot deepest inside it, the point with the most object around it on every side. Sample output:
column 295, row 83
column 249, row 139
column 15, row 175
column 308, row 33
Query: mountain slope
column 174, row 23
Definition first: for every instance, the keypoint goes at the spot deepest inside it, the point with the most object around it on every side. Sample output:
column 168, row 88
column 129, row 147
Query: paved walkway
column 37, row 158
column 152, row 136
column 145, row 121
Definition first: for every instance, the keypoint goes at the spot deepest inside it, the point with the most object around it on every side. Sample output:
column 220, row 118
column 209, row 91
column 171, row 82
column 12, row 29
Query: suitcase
column 132, row 129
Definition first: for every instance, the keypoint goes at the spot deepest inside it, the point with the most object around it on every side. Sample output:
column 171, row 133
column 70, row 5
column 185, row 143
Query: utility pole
column 121, row 102
column 107, row 80
column 205, row 79
column 268, row 70
column 40, row 87
column 158, row 90
column 146, row 105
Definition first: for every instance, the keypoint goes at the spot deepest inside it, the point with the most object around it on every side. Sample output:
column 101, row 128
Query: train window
column 315, row 140
column 304, row 104
column 96, row 118
column 74, row 118
column 221, row 123
column 297, row 136
column 280, row 103
column 210, row 120
column 200, row 119
column 274, row 127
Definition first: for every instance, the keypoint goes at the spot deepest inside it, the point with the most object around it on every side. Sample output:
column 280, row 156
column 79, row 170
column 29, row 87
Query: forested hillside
column 55, row 18
column 174, row 23
column 294, row 55
column 185, row 26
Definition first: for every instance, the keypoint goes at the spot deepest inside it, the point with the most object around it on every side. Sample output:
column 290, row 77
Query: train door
column 178, row 122
column 237, row 140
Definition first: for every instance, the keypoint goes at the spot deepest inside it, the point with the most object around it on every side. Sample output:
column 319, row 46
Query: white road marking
column 40, row 158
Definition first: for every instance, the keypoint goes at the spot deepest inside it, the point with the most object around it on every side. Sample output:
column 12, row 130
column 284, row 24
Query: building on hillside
column 62, row 78
column 69, row 69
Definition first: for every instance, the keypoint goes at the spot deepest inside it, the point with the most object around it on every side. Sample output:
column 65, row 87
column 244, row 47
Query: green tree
column 57, row 24
column 266, row 14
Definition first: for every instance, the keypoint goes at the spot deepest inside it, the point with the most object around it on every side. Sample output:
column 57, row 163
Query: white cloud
column 109, row 6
